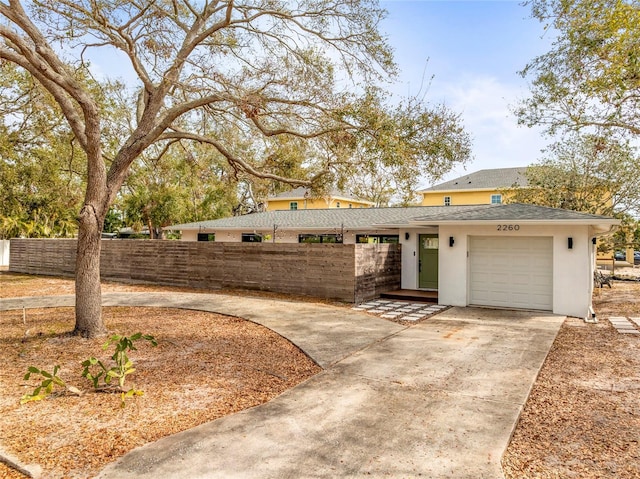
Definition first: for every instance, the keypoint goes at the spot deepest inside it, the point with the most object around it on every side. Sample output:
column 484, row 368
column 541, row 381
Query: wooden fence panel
column 344, row 272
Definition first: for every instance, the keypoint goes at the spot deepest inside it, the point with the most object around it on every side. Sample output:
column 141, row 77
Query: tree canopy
column 41, row 169
column 237, row 76
column 587, row 173
column 177, row 185
column 591, row 75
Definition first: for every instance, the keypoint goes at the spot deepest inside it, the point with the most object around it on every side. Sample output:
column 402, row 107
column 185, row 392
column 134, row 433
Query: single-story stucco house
column 503, row 255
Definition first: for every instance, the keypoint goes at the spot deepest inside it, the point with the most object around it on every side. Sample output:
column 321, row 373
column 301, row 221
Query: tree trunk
column 89, row 322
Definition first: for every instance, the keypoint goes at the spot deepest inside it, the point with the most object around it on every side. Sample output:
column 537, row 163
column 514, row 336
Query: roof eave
column 210, row 229
column 578, row 222
column 457, row 190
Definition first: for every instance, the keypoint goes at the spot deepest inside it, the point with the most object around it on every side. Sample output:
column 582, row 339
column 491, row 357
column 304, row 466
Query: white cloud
column 484, row 104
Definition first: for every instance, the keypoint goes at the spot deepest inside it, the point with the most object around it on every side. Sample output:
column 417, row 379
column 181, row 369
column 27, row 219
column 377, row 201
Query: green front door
column 428, row 262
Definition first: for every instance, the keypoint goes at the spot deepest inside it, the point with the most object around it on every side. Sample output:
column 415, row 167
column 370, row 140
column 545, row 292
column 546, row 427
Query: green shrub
column 102, row 377
column 46, row 387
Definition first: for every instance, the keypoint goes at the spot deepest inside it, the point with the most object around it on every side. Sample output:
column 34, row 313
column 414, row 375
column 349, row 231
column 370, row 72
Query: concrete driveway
column 438, row 399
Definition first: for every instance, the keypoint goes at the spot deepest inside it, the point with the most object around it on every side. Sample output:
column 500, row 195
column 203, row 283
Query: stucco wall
column 473, row 197
column 332, row 271
column 315, row 204
column 4, row 252
column 572, row 268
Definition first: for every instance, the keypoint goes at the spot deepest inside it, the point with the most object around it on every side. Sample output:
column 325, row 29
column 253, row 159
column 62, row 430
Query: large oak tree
column 236, row 75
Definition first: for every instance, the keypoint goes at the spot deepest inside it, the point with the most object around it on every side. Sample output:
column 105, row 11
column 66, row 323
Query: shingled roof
column 366, row 218
column 484, row 179
column 353, row 218
column 513, row 212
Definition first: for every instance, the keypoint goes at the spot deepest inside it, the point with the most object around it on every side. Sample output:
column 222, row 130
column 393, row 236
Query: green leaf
column 28, row 398
column 89, row 362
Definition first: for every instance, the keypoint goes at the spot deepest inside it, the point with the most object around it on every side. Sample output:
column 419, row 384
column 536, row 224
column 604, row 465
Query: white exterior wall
column 4, row 252
column 572, row 268
column 282, row 236
column 230, row 237
column 189, row 235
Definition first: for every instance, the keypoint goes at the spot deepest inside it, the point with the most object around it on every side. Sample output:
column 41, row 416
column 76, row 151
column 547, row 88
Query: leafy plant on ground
column 49, row 383
column 102, row 377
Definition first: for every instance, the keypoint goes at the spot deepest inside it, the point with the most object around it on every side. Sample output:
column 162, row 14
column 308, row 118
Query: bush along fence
column 345, row 272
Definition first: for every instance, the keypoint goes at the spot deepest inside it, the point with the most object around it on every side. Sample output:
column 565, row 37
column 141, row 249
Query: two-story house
column 302, row 199
column 480, row 188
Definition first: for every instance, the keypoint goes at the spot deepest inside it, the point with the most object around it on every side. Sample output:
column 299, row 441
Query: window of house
column 337, row 204
column 350, row 205
column 377, row 239
column 293, row 205
column 251, row 238
column 447, row 200
column 496, row 199
column 311, row 238
column 206, row 236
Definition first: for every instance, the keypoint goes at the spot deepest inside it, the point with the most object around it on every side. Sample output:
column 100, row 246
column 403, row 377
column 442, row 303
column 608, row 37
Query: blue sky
column 473, row 50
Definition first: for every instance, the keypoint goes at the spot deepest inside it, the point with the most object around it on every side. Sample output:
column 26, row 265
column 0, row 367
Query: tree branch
column 235, row 160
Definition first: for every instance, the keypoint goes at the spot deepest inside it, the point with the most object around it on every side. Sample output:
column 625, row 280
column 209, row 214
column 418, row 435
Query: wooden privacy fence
column 346, row 272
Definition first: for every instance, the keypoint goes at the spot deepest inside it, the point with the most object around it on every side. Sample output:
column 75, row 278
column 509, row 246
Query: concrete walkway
column 439, row 399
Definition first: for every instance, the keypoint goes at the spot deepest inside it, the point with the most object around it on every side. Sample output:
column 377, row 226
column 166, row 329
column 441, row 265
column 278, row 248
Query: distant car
column 620, row 256
column 636, row 257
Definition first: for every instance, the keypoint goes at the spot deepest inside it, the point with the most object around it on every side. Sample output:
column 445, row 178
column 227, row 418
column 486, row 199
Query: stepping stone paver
column 623, row 326
column 403, row 310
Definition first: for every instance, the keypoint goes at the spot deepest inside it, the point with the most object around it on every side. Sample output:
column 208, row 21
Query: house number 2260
column 508, row 227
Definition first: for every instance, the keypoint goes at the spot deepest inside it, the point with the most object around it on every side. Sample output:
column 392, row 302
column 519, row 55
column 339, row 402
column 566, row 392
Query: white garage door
column 511, row 272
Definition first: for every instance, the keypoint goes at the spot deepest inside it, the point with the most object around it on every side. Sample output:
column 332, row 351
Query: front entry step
column 412, row 295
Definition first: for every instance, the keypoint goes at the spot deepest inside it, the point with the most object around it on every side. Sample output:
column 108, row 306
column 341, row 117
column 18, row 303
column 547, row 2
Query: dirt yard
column 581, row 421
column 205, row 366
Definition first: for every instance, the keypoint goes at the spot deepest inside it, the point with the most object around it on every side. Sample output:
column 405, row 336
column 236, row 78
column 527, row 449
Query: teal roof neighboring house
column 494, row 178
